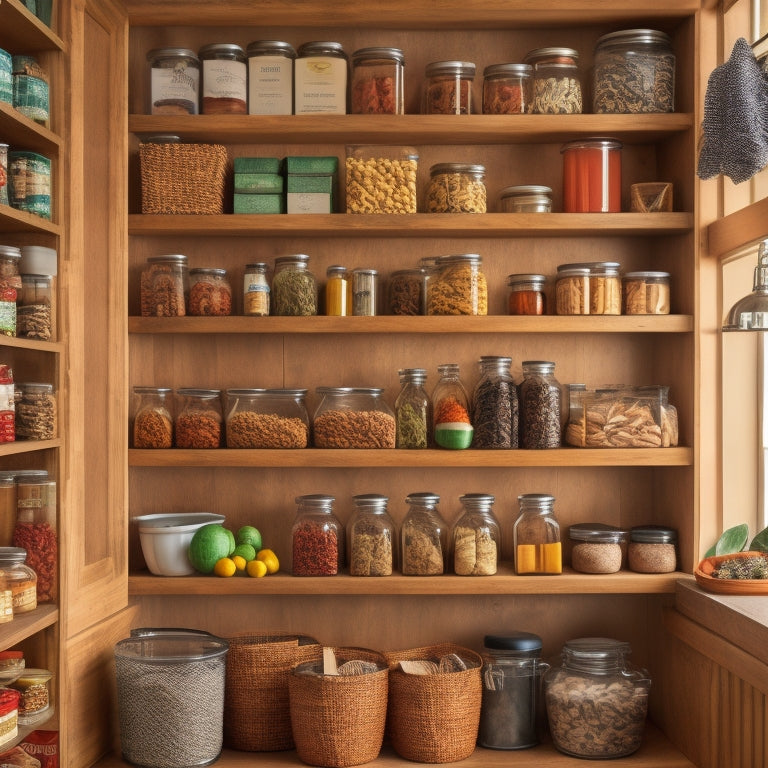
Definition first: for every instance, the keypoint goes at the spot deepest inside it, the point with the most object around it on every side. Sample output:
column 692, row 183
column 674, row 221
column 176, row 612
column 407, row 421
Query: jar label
column 223, row 79
column 174, row 90
column 321, row 86
column 270, row 85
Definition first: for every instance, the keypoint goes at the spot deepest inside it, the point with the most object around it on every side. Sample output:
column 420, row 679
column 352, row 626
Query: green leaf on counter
column 731, row 540
column 760, row 542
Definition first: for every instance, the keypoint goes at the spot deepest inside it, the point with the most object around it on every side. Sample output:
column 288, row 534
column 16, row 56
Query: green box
column 311, row 165
column 258, row 165
column 259, row 203
column 259, row 183
column 310, row 184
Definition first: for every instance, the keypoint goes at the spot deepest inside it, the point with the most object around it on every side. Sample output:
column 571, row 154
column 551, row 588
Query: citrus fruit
column 246, row 551
column 240, row 563
column 269, row 558
column 256, row 568
column 209, row 543
column 225, row 566
column 249, row 535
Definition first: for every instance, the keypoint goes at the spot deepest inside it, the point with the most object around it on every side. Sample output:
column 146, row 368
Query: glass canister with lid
column 210, row 293
column 476, row 537
column 266, row 418
column 459, row 286
column 448, row 88
column 507, row 89
column 34, row 313
column 353, row 417
column 256, row 291
column 36, row 411
column 365, row 292
column 407, row 292
column 592, row 176
column 526, row 295
column 596, row 548
column 456, row 188
column 378, row 82
column 294, row 288
column 199, row 421
column 604, row 287
column 495, row 407
column 174, row 81
column 270, row 77
column 338, row 291
column 557, row 87
column 20, row 577
column 526, row 198
column 540, row 406
column 537, row 543
column 165, row 286
column 423, row 536
column 451, row 422
column 572, row 289
column 413, row 410
column 652, row 549
column 224, row 86
column 646, row 293
column 152, row 417
column 317, row 537
column 371, row 533
column 320, row 78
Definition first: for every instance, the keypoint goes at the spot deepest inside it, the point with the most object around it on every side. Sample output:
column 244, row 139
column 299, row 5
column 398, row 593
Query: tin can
column 256, row 290
column 174, row 81
column 225, row 79
column 320, row 79
column 270, row 77
column 528, row 198
column 508, row 89
column 448, row 88
column 592, row 176
column 377, row 82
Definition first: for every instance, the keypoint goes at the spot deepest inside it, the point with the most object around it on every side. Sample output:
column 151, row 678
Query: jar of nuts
column 456, row 188
column 381, row 179
column 152, row 417
column 266, row 418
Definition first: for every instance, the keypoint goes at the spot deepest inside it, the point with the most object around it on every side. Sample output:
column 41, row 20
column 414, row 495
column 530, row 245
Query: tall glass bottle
column 413, row 411
column 452, row 426
column 538, row 549
column 495, row 411
column 476, row 537
column 540, row 406
column 371, row 537
column 424, row 536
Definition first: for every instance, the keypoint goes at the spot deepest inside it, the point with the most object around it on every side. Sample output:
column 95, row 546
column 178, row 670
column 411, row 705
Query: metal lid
column 349, row 390
column 259, row 265
column 540, row 366
column 646, row 275
column 335, row 269
column 370, row 499
column 595, row 143
column 479, row 499
column 315, row 499
column 296, row 258
column 229, row 50
column 291, row 393
column 438, row 168
column 10, row 252
column 541, row 500
column 321, row 48
column 641, row 36
column 653, row 534
column 262, row 47
column 192, row 392
column 176, row 258
column 473, row 258
column 162, row 138
column 596, row 532
column 499, row 70
column 168, row 53
column 513, row 641
column 152, row 390
column 518, row 279
column 365, row 54
column 364, row 271
column 466, row 68
column 551, row 53
column 12, row 555
column 525, row 189
column 424, row 497
column 215, row 271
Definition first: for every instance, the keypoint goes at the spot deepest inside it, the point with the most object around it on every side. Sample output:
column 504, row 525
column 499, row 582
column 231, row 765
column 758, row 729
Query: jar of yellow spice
column 538, row 549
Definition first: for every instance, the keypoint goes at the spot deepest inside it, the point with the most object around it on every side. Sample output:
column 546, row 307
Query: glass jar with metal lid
column 592, row 176
column 507, row 89
column 495, row 408
column 451, row 423
column 652, row 549
column 413, row 410
column 317, row 537
column 575, row 433
column 270, row 77
column 604, row 288
column 448, row 89
column 526, row 294
column 371, row 534
column 152, row 417
column 540, row 406
column 266, row 418
column 21, row 578
column 557, row 87
column 34, row 314
column 572, row 290
column 164, row 286
column 423, row 536
column 353, row 417
column 536, row 533
column 174, row 81
column 210, row 293
column 646, row 293
column 338, row 291
column 256, row 290
column 596, row 548
column 225, row 79
column 36, row 411
column 526, row 198
column 407, row 292
column 476, row 537
column 294, row 288
column 456, row 188
column 199, row 421
column 320, row 78
column 365, row 292
column 459, row 287
column 378, row 82
column 634, row 72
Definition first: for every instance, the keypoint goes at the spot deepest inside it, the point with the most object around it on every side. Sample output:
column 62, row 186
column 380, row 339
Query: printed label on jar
column 270, row 85
column 321, row 86
column 256, row 299
column 174, row 90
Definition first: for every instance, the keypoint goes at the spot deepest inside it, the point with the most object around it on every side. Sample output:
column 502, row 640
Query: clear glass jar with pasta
column 456, row 188
column 459, row 287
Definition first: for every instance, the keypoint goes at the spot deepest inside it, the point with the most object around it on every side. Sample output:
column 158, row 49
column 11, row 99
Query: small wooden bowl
column 730, row 586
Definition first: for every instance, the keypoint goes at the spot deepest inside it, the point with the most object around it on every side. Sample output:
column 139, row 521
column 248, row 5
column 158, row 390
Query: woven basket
column 257, row 714
column 182, row 178
column 434, row 718
column 339, row 720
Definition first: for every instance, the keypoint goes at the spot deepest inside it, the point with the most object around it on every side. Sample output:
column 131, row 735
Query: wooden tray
column 730, row 586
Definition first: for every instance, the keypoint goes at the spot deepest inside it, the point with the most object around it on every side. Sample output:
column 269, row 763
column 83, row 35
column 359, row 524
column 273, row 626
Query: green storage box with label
column 259, row 203
column 259, row 184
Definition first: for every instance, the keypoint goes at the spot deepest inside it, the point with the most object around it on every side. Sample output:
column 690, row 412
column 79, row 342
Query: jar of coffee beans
column 495, row 413
column 540, row 406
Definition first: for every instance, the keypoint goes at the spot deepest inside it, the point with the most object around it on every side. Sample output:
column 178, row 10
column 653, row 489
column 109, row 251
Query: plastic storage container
column 266, row 418
column 540, row 406
column 174, row 81
column 20, row 577
column 353, row 417
column 320, row 79
column 476, row 537
column 152, row 417
column 646, row 293
column 507, row 89
column 270, row 77
column 451, row 422
column 378, row 82
column 224, row 87
column 372, row 537
column 317, row 537
column 592, row 176
column 538, row 548
column 557, row 86
column 294, row 288
column 459, row 286
column 198, row 422
column 495, row 407
column 413, row 410
column 381, row 179
column 423, row 536
column 165, row 286
column 448, row 88
column 525, row 295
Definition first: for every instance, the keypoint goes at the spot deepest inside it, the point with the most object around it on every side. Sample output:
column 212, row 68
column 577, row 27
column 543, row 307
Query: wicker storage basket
column 182, row 178
column 257, row 714
column 338, row 720
column 434, row 718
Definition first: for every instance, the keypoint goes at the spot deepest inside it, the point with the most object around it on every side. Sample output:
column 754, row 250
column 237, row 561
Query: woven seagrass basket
column 182, row 178
column 434, row 718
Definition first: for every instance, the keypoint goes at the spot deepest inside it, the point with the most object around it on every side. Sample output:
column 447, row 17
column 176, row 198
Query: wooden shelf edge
column 22, row 133
column 28, row 446
column 12, row 220
column 731, row 233
column 54, row 347
column 27, row 624
column 21, row 31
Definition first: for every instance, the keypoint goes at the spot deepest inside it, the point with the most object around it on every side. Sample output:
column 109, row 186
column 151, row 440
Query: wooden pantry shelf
column 25, row 625
column 12, row 220
column 19, row 132
column 22, row 32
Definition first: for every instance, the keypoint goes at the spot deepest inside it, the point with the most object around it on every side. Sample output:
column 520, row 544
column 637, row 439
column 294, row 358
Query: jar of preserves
column 266, row 418
column 456, row 188
column 353, row 417
column 423, row 536
column 210, row 293
column 20, row 577
column 526, row 198
column 365, row 292
column 452, row 426
column 507, row 89
column 646, row 293
column 572, row 290
column 317, row 537
column 538, row 548
column 34, row 314
column 371, row 533
column 652, row 549
column 174, row 81
column 378, row 82
column 448, row 88
column 596, row 548
column 526, row 295
column 164, row 286
column 152, row 417
column 540, row 406
column 495, row 409
column 459, row 286
column 476, row 537
column 294, row 288
column 407, row 292
column 256, row 290
column 557, row 87
column 413, row 410
column 320, row 79
column 604, row 288
column 36, row 411
column 270, row 77
column 592, row 176
column 338, row 291
column 225, row 79
column 199, row 422
column 634, row 72
column 597, row 702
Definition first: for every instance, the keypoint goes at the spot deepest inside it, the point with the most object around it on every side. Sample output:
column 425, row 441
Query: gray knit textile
column 735, row 125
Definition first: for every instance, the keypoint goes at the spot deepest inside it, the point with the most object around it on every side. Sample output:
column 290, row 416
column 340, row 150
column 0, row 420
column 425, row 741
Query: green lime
column 249, row 535
column 209, row 544
column 246, row 551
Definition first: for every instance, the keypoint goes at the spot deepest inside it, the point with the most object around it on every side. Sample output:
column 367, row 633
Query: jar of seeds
column 495, row 410
column 413, row 410
column 36, row 413
column 476, row 537
column 371, row 533
column 294, row 288
column 557, row 88
column 199, row 421
column 540, row 406
column 423, row 536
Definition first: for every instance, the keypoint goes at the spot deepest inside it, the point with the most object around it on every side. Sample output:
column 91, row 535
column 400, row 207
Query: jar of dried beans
column 210, row 293
column 507, row 89
column 198, row 422
column 36, row 411
column 407, row 292
column 557, row 88
column 317, row 537
column 526, row 295
column 164, row 286
column 152, row 417
column 266, row 418
column 476, row 537
column 646, row 293
column 294, row 288
column 449, row 88
column 21, row 578
column 459, row 287
column 652, row 549
column 456, row 188
column 371, row 533
column 452, row 426
column 538, row 548
column 413, row 410
column 540, row 406
column 423, row 536
column 596, row 701
column 526, row 198
column 353, row 417
column 495, row 411
column 378, row 82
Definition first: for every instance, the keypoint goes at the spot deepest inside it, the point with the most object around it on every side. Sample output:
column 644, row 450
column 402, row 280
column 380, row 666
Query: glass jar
column 596, row 548
column 338, row 292
column 538, row 549
column 164, row 286
column 174, row 81
column 456, row 188
column 35, row 698
column 592, row 176
column 597, row 702
column 407, row 292
column 557, row 88
column 365, row 291
column 270, row 77
column 294, row 288
column 210, row 293
column 34, row 315
column 353, row 417
column 576, row 427
column 413, row 410
column 652, row 549
column 378, row 82
column 634, row 72
column 256, row 290
column 448, row 88
column 29, row 175
column 423, row 536
column 266, row 418
column 512, row 672
column 371, row 533
column 3, row 154
column 11, row 666
column 198, row 422
column 317, row 537
column 540, row 406
column 526, row 198
column 320, row 79
column 645, row 293
column 507, row 89
column 451, row 423
column 526, row 295
column 7, row 506
column 36, row 411
column 21, row 578
column 495, row 408
column 152, row 417
column 10, row 289
column 476, row 537
column 572, row 290
column 225, row 79
column 459, row 286
column 7, row 405
column 381, row 179
column 604, row 288
column 669, row 421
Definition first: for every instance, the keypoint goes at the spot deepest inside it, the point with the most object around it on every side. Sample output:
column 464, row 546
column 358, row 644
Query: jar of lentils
column 459, row 287
column 317, row 537
column 266, row 418
column 540, row 406
column 210, row 293
column 456, row 188
column 449, row 88
column 294, row 288
column 557, row 88
column 198, row 422
column 507, row 89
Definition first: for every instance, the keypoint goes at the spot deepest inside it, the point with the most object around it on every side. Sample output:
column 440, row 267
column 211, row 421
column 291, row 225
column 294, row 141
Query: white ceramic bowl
column 165, row 540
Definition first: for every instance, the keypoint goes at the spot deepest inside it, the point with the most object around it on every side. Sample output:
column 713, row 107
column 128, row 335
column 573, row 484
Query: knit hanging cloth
column 735, row 125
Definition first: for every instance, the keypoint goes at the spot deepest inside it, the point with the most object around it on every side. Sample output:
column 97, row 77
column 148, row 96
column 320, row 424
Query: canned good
column 294, row 288
column 592, row 176
column 256, row 290
column 456, row 188
column 353, row 417
column 174, row 81
column 381, row 179
column 266, row 418
column 526, row 295
column 407, row 292
column 198, row 422
column 378, row 82
column 164, row 286
column 320, row 79
column 459, row 287
column 646, row 293
column 225, row 79
column 365, row 287
column 152, row 417
column 20, row 577
column 210, row 293
column 528, row 198
column 36, row 413
column 557, row 88
column 507, row 89
column 270, row 77
column 449, row 88
column 30, row 182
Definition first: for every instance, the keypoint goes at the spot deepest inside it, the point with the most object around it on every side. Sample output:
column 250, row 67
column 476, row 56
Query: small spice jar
column 210, row 293
column 572, row 290
column 372, row 539
column 592, row 176
column 270, row 77
column 652, row 549
column 256, row 290
column 495, row 408
column 338, row 291
column 451, row 423
column 557, row 88
column 165, row 286
column 423, row 536
column 198, row 422
column 225, row 79
column 456, row 188
column 604, row 288
column 294, row 288
column 365, row 292
column 540, row 406
column 407, row 292
column 646, row 293
column 459, row 286
column 152, row 417
column 353, row 417
column 20, row 577
column 507, row 89
column 413, row 410
column 476, row 537
column 35, row 698
column 34, row 314
column 320, row 79
column 174, row 81
column 378, row 82
column 526, row 295
column 596, row 548
column 448, row 88
column 317, row 537
column 266, row 418
column 36, row 412
column 526, row 198
column 536, row 533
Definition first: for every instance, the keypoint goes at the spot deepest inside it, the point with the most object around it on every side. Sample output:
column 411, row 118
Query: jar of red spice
column 592, row 176
column 198, row 421
column 210, row 293
column 452, row 426
column 317, row 537
column 526, row 295
column 377, row 82
column 507, row 89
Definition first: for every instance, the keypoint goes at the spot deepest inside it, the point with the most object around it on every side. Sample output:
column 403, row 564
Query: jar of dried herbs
column 536, row 533
column 371, row 533
column 540, row 406
column 557, row 88
column 294, row 288
column 423, row 536
column 495, row 411
column 317, row 537
column 199, row 421
column 476, row 537
column 451, row 423
column 413, row 410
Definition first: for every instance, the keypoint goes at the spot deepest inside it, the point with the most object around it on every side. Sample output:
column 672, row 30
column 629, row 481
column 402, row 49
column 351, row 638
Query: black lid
column 513, row 641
